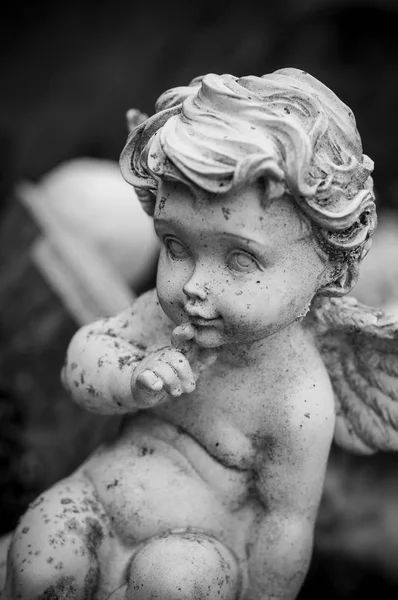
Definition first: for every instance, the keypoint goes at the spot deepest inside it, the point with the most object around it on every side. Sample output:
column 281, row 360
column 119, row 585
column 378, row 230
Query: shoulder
column 312, row 412
column 305, row 412
column 154, row 323
column 147, row 306
column 293, row 461
column 311, row 418
column 143, row 323
column 149, row 321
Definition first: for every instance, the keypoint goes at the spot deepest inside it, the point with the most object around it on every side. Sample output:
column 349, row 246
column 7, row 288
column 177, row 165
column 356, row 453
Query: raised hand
column 165, row 372
column 170, row 371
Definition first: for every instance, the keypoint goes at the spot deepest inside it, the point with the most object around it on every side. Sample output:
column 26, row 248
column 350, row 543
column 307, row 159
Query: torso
column 192, row 461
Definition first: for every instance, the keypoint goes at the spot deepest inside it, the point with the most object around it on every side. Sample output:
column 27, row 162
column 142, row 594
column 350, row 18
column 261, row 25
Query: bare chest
column 227, row 414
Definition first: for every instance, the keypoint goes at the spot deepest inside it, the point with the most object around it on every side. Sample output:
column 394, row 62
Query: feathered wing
column 359, row 346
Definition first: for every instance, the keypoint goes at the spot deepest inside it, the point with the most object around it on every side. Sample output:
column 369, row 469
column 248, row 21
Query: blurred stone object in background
column 98, row 248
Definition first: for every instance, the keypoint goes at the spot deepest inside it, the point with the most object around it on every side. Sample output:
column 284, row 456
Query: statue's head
column 286, row 129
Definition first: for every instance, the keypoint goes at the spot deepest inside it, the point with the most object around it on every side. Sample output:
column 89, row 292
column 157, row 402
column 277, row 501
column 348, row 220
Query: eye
column 175, row 249
column 242, row 262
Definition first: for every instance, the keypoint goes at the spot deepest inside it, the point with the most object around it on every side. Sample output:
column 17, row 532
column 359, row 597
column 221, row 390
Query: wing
column 359, row 346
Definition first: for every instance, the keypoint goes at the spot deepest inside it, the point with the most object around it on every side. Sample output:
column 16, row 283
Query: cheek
column 248, row 309
column 296, row 294
column 164, row 279
column 261, row 309
column 170, row 280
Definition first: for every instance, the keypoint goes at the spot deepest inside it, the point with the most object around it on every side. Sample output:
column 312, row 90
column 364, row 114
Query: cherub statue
column 237, row 371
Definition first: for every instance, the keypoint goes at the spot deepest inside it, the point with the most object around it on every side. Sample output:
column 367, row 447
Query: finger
column 182, row 338
column 148, row 389
column 184, row 371
column 169, row 376
column 150, row 380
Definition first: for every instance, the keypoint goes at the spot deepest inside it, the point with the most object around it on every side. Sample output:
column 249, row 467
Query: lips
column 196, row 317
column 201, row 322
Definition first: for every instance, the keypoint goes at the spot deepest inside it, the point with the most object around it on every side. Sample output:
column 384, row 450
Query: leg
column 185, row 566
column 53, row 552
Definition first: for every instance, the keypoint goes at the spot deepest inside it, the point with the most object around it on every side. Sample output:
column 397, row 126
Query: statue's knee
column 49, row 574
column 31, row 585
column 183, row 567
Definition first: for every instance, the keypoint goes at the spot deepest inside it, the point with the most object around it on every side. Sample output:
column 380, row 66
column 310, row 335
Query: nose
column 196, row 288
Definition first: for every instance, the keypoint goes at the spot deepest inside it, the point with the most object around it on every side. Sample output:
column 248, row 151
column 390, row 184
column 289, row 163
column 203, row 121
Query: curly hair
column 287, row 128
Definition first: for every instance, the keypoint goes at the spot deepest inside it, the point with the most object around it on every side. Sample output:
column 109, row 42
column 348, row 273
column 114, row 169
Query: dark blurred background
column 69, row 72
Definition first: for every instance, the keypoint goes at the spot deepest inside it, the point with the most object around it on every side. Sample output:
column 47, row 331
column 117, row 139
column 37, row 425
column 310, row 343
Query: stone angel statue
column 237, row 371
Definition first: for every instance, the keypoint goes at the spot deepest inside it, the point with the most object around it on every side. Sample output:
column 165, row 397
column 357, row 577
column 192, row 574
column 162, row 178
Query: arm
column 103, row 355
column 290, row 480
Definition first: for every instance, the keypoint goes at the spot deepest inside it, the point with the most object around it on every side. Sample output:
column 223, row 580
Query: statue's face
column 235, row 270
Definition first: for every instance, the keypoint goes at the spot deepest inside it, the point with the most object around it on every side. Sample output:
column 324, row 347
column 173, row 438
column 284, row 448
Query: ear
column 344, row 283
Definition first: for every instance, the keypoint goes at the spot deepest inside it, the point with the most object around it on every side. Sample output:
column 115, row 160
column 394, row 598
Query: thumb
column 182, row 338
